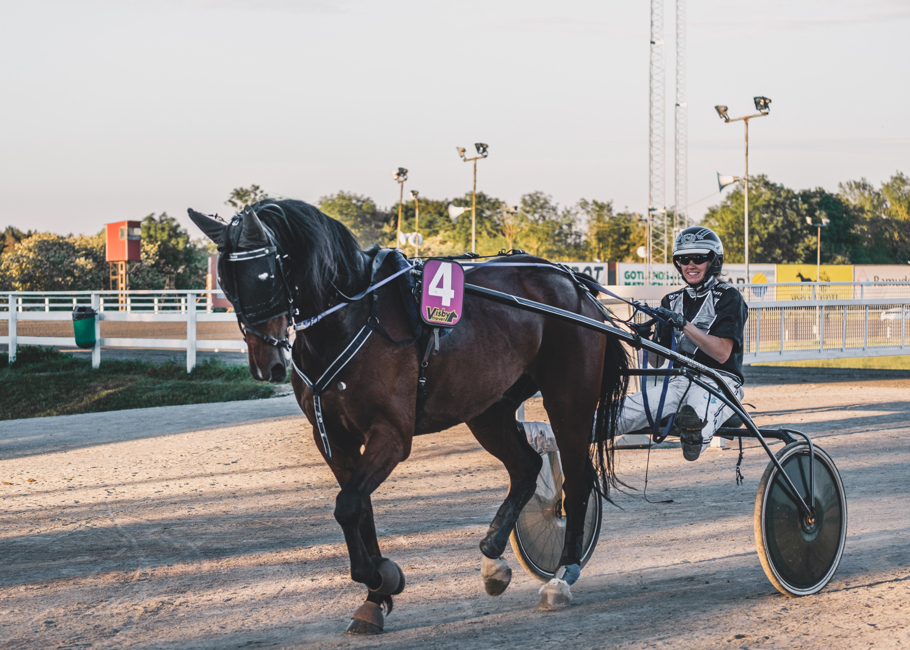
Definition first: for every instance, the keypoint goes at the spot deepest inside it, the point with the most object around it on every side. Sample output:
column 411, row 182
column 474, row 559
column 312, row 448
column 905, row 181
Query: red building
column 124, row 241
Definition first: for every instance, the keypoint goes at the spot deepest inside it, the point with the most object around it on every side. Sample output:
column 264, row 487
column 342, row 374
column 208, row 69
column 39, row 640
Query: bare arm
column 715, row 347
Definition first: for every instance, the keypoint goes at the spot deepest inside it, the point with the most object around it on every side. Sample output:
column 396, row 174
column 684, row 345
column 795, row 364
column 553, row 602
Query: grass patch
column 874, row 363
column 46, row 382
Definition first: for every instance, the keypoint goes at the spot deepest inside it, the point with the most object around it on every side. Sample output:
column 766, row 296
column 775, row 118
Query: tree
column 488, row 239
column 359, row 213
column 510, row 224
column 550, row 231
column 777, row 224
column 896, row 192
column 863, row 196
column 612, row 237
column 243, row 196
column 169, row 259
column 48, row 262
column 10, row 238
column 840, row 242
column 881, row 227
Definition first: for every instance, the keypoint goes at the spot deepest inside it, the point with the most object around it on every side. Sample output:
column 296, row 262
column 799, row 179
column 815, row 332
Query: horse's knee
column 348, row 509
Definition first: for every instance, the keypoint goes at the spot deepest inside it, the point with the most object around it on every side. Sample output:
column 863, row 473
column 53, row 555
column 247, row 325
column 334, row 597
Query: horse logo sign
column 443, row 293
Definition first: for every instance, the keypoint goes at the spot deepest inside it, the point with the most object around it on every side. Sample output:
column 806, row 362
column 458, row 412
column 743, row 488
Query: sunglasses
column 695, row 259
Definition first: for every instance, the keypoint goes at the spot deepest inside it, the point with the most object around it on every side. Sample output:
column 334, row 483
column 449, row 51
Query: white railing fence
column 787, row 322
column 190, row 307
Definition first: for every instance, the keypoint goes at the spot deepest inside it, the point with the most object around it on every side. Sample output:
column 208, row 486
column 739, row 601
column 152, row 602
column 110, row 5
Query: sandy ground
column 211, row 527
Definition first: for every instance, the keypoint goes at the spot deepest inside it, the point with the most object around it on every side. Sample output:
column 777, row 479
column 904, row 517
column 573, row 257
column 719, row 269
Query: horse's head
column 253, row 274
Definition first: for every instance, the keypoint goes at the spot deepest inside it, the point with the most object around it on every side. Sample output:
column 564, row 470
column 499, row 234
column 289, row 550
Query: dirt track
column 211, row 527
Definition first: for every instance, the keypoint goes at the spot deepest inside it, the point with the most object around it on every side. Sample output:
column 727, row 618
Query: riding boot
column 688, row 426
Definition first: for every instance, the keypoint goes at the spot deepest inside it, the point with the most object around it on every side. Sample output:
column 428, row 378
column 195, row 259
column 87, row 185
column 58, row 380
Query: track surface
column 211, row 527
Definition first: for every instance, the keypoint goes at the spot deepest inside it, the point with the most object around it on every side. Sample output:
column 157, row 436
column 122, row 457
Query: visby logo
column 440, row 315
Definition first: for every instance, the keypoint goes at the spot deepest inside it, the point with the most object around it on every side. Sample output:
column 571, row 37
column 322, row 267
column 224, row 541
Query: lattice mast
column 657, row 214
column 681, row 174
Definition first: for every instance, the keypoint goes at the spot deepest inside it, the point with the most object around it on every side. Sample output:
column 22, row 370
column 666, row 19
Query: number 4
column 441, row 284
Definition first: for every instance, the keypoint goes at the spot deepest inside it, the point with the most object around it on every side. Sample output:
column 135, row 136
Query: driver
column 707, row 318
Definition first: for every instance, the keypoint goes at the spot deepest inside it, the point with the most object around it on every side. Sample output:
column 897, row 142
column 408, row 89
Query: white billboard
column 881, row 273
column 666, row 275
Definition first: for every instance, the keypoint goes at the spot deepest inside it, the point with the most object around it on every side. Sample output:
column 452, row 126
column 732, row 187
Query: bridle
column 281, row 302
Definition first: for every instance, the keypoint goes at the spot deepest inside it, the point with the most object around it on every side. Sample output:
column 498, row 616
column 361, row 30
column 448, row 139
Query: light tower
column 657, row 213
column 681, row 175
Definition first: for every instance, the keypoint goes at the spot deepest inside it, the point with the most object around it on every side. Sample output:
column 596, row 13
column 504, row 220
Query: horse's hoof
column 496, row 575
column 368, row 619
column 392, row 577
column 555, row 595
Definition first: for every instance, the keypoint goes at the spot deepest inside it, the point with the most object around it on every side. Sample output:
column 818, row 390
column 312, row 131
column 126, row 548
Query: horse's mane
column 324, row 253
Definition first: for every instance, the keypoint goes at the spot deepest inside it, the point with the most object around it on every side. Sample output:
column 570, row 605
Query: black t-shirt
column 729, row 321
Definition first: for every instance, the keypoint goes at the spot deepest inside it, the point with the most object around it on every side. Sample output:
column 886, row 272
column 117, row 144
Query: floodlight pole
column 745, row 120
column 400, row 176
column 400, row 199
column 473, row 195
column 416, row 224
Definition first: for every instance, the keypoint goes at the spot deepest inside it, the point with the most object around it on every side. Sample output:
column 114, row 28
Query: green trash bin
column 84, row 326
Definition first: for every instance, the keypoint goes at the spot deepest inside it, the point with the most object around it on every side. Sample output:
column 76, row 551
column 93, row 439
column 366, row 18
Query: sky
column 112, row 110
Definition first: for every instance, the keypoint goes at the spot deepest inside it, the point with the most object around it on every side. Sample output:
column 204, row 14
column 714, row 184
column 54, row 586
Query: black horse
column 284, row 261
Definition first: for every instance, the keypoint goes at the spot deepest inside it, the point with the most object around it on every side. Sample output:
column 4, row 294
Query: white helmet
column 698, row 240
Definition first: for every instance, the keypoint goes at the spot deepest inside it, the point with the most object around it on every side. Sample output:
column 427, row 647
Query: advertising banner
column 807, row 273
column 633, row 274
column 881, row 273
column 602, row 272
column 666, row 275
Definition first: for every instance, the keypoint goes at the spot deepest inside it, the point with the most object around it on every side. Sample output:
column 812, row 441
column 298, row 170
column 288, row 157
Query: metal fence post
column 866, row 327
column 12, row 328
column 758, row 331
column 821, row 328
column 96, row 351
column 190, row 332
column 843, row 344
column 782, row 330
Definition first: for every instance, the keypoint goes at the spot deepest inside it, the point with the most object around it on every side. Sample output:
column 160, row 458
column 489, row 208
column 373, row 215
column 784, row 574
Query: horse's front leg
column 383, row 578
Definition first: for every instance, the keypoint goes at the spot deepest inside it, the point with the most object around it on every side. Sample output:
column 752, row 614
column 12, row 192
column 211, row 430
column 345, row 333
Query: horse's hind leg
column 497, row 432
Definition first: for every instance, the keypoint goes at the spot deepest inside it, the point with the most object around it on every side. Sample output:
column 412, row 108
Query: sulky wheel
column 800, row 556
column 540, row 531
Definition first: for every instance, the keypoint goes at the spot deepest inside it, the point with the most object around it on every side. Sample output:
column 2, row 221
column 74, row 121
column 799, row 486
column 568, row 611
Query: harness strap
column 323, row 382
column 654, row 423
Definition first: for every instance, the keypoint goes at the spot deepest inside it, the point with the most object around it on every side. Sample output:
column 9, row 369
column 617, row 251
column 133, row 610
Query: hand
column 642, row 329
column 676, row 320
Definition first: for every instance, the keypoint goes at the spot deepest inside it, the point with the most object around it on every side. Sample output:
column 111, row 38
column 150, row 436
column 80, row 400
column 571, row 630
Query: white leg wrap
column 555, row 595
column 496, row 575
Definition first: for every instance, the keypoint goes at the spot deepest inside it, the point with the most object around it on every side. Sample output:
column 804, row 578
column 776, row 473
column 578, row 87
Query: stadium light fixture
column 481, row 153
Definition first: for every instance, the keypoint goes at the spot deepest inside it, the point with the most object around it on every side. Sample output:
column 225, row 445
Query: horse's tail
column 613, row 387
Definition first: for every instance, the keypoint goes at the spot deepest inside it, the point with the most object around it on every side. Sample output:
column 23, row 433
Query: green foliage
column 169, row 259
column 46, row 382
column 612, row 237
column 368, row 223
column 550, row 231
column 777, row 224
column 48, row 262
column 896, row 192
column 840, row 242
column 881, row 227
column 10, row 238
column 241, row 197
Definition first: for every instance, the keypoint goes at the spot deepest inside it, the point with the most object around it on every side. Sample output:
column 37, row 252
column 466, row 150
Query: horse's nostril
column 279, row 373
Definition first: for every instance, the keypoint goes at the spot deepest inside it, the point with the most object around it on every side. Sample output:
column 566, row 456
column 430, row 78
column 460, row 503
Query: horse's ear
column 253, row 234
column 213, row 229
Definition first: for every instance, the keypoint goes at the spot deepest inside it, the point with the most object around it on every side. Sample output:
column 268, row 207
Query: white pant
column 706, row 405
